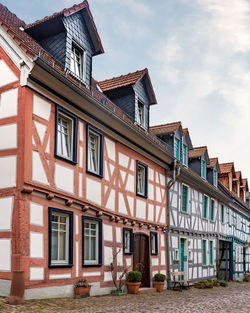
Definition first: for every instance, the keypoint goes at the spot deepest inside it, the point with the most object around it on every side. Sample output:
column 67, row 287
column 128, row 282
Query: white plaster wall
column 36, row 273
column 150, row 174
column 36, row 214
column 5, row 259
column 80, row 185
column 8, row 136
column 150, row 191
column 174, row 242
column 118, row 234
column 110, row 145
column 93, row 191
column 81, row 131
column 41, row 130
column 163, row 216
column 150, row 212
column 128, row 261
column 131, row 204
column 140, row 209
column 123, row 175
column 155, row 261
column 119, row 256
column 122, row 206
column 108, row 255
column 107, row 276
column 130, row 186
column 158, row 194
column 89, row 274
column 7, row 76
column 81, row 157
column 8, row 103
column 132, row 165
column 64, row 178
column 60, row 276
column 38, row 172
column 8, row 171
column 41, row 107
column 5, row 287
column 163, row 258
column 123, row 160
column 36, row 245
column 107, row 232
column 6, row 209
column 111, row 201
column 162, row 180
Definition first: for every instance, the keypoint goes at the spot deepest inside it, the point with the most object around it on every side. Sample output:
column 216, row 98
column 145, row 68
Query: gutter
column 176, row 173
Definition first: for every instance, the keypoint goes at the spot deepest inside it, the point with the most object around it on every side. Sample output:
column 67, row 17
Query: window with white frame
column 60, row 237
column 92, row 241
column 154, row 243
column 94, row 151
column 77, row 61
column 141, row 114
column 66, row 135
column 128, row 240
column 141, row 179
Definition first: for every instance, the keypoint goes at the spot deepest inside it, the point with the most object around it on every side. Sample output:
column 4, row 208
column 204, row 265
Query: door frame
column 185, row 255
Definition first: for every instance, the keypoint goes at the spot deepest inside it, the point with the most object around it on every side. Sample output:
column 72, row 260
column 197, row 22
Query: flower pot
column 159, row 285
column 82, row 291
column 133, row 288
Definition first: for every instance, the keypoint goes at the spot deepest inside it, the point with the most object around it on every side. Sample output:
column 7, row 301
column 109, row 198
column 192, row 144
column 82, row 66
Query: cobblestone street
column 234, row 299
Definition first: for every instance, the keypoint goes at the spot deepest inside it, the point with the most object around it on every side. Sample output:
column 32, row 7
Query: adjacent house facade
column 83, row 176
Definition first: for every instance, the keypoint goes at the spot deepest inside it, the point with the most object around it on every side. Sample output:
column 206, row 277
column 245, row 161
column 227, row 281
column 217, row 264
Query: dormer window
column 77, row 61
column 185, row 155
column 141, row 114
column 203, row 169
column 177, row 148
column 215, row 178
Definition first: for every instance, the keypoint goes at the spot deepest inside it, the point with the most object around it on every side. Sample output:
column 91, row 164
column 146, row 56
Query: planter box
column 82, row 291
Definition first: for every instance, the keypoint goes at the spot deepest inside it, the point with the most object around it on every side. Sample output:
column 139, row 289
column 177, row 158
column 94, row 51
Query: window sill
column 142, row 196
column 94, row 174
column 186, row 213
column 60, row 265
column 91, row 265
column 65, row 159
column 155, row 253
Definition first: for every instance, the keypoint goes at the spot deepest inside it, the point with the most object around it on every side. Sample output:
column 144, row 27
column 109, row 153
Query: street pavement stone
column 232, row 299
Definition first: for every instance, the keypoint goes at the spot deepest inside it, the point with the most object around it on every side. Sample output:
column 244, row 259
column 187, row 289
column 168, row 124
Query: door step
column 147, row 290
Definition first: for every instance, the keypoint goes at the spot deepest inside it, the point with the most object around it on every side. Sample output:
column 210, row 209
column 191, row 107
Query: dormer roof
column 48, row 24
column 128, row 80
column 199, row 152
column 226, row 168
column 165, row 129
column 213, row 162
column 245, row 183
column 238, row 176
column 186, row 133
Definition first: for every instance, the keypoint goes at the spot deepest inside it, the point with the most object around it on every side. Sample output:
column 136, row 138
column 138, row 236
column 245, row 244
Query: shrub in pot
column 159, row 281
column 82, row 288
column 134, row 281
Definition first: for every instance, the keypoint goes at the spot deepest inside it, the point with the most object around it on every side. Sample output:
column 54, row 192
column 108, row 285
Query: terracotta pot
column 159, row 285
column 82, row 290
column 133, row 287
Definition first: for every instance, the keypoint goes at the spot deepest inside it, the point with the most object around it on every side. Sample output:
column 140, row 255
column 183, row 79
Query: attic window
column 77, row 61
column 141, row 114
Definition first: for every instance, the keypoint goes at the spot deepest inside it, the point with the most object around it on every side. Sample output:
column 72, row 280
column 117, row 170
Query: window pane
column 86, row 248
column 62, row 252
column 54, row 252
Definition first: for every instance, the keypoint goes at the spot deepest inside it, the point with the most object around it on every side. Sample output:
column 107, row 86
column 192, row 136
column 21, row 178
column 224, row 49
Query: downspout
column 176, row 173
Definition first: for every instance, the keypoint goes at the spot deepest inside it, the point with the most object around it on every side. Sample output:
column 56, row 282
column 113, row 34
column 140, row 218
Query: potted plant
column 134, row 281
column 159, row 281
column 82, row 288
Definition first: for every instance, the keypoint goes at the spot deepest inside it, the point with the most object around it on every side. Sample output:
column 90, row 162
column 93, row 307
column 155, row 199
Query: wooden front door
column 141, row 258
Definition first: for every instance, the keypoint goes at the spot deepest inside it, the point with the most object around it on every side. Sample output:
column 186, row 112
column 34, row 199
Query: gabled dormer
column 133, row 93
column 186, row 146
column 212, row 171
column 199, row 160
column 244, row 189
column 237, row 182
column 171, row 134
column 71, row 38
column 227, row 174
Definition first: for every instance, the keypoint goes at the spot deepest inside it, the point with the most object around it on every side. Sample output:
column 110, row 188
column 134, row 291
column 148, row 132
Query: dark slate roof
column 127, row 80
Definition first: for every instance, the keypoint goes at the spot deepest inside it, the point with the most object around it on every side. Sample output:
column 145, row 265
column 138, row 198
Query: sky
column 198, row 56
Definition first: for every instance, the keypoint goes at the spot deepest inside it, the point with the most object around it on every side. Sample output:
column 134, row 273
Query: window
column 222, row 213
column 141, row 114
column 92, row 241
column 211, row 252
column 154, row 243
column 204, row 252
column 184, row 198
column 94, row 151
column 141, row 179
column 77, row 61
column 215, row 174
column 212, row 210
column 190, row 255
column 185, row 155
column 205, row 200
column 177, row 149
column 128, row 240
column 176, row 255
column 66, row 135
column 203, row 169
column 60, row 238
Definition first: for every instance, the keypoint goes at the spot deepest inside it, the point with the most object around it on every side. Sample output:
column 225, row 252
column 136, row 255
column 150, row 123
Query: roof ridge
column 166, row 124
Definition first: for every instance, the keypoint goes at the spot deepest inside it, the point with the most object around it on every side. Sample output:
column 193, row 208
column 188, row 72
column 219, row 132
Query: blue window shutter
column 184, row 198
column 205, row 207
column 212, row 210
column 222, row 213
column 204, row 252
column 211, row 252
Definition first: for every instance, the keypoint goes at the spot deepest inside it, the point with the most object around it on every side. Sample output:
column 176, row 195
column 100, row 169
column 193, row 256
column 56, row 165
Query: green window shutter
column 177, row 148
column 184, row 198
column 215, row 178
column 185, row 157
column 205, row 207
column 211, row 252
column 204, row 252
column 212, row 210
column 203, row 169
column 222, row 213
